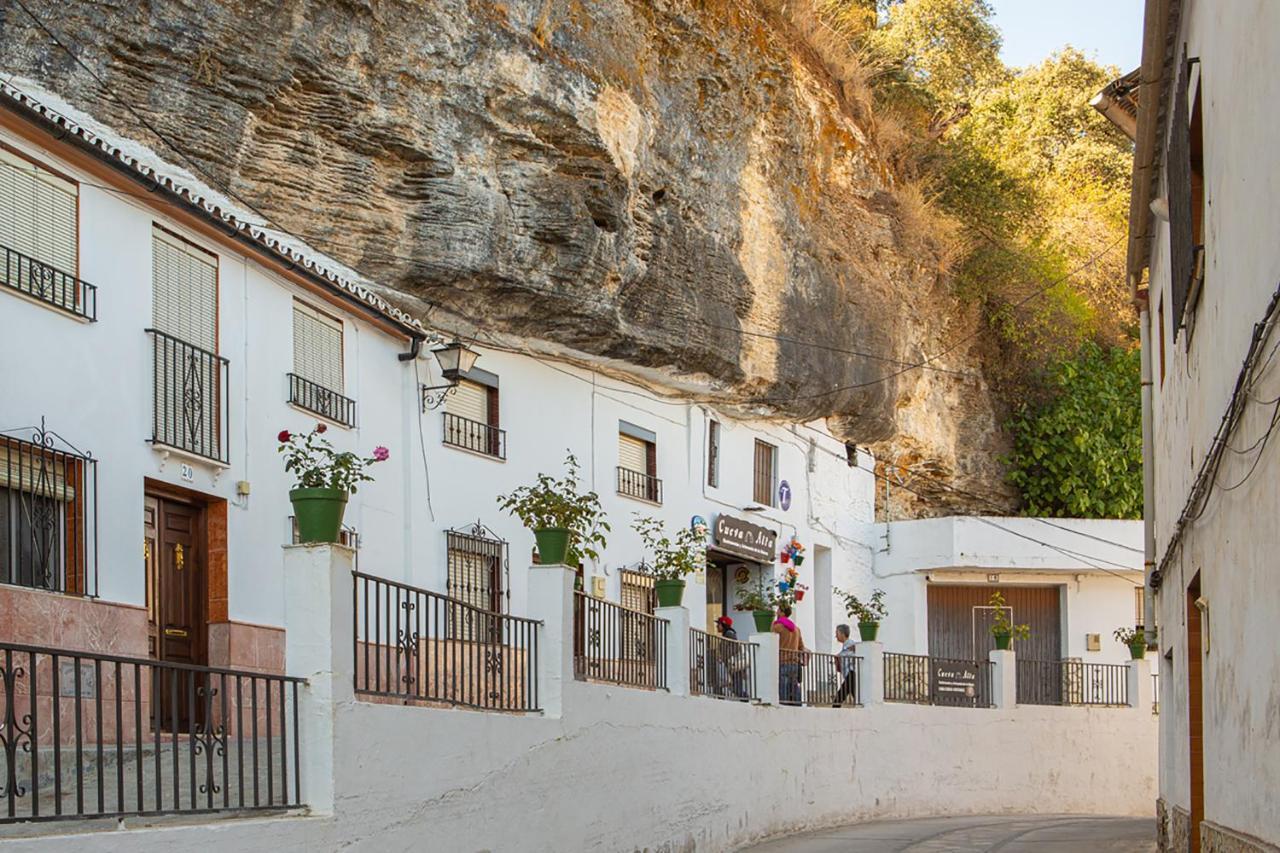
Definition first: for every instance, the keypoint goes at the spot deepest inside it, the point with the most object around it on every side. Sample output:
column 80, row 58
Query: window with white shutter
column 638, row 463
column 471, row 416
column 185, row 291
column 469, row 400
column 633, row 454
column 317, row 347
column 38, row 213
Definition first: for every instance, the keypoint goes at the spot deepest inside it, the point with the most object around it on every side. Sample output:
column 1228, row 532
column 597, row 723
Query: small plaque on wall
column 1093, row 642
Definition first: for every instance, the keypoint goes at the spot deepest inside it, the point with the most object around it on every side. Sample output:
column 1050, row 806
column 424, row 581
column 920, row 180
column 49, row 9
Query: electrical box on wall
column 1093, row 642
column 597, row 586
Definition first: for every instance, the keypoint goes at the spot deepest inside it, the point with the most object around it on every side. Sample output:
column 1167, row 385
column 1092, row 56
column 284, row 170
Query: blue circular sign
column 784, row 494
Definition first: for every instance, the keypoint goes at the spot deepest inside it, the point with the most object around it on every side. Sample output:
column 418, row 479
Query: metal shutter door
column 470, row 401
column 185, row 298
column 633, row 454
column 38, row 213
column 317, row 347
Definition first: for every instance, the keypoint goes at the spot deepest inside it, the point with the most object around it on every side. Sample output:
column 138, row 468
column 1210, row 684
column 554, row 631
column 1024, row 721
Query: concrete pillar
column 870, row 672
column 551, row 600
column 677, row 649
column 319, row 644
column 766, row 667
column 1138, row 677
column 1004, row 678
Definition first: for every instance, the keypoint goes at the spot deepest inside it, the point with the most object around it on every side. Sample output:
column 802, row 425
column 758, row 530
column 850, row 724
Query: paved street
column 1041, row 834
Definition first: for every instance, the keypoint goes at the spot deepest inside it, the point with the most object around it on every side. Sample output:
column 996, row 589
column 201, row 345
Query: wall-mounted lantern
column 455, row 360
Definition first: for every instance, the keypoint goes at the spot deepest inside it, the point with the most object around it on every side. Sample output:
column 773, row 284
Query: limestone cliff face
column 664, row 186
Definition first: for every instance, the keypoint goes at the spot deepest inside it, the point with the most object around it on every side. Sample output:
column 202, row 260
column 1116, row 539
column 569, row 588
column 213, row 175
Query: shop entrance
column 725, row 574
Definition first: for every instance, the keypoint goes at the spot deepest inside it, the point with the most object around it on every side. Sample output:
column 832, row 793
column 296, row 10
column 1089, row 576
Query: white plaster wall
column 627, row 770
column 93, row 383
column 1233, row 545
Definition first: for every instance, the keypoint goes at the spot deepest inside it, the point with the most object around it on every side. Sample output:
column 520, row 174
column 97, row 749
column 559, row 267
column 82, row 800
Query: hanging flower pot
column 799, row 595
column 799, row 558
column 785, row 556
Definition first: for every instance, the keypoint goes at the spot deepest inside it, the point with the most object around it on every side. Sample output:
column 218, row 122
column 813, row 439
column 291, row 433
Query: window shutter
column 632, row 454
column 713, row 453
column 1181, row 238
column 317, row 347
column 764, row 464
column 185, row 299
column 38, row 213
column 470, row 401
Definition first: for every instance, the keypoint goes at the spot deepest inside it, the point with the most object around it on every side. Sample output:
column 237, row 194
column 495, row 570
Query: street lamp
column 455, row 359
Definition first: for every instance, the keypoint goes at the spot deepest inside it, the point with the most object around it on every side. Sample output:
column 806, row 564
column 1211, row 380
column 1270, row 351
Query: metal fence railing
column 618, row 645
column 415, row 644
column 96, row 735
column 474, row 436
column 929, row 680
column 48, row 284
column 1072, row 682
column 637, row 484
column 818, row 680
column 191, row 398
column 722, row 668
column 319, row 400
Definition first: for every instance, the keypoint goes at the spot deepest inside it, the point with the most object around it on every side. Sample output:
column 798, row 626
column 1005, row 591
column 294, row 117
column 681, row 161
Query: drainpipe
column 1148, row 484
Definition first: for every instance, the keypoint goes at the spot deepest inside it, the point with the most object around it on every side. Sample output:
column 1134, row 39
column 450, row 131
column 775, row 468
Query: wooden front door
column 1195, row 710
column 176, row 619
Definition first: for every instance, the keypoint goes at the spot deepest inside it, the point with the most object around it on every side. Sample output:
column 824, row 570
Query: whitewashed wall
column 627, row 770
column 1234, row 543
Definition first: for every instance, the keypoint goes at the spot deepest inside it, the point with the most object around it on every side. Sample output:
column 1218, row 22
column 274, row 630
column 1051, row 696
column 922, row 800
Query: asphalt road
column 1006, row 834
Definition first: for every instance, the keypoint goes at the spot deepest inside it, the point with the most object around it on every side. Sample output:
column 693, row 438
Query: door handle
column 178, row 556
column 176, row 632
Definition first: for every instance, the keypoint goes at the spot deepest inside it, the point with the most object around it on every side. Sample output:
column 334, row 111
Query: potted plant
column 869, row 613
column 567, row 524
column 1002, row 627
column 1135, row 639
column 760, row 603
column 325, row 479
column 673, row 557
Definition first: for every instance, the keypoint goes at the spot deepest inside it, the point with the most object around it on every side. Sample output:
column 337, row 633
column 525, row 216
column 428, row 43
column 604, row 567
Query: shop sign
column 746, row 539
column 955, row 682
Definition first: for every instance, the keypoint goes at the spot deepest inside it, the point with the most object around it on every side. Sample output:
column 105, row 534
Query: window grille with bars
column 476, row 568
column 764, row 480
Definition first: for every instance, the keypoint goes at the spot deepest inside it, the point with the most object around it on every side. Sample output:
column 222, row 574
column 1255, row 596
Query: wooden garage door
column 959, row 620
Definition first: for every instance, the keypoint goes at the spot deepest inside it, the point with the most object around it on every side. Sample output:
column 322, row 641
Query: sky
column 1109, row 31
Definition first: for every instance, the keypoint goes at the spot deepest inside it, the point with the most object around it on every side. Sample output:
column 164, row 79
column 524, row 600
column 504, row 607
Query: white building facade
column 1204, row 273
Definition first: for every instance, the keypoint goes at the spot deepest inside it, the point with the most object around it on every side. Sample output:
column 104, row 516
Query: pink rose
column 321, row 427
column 283, row 436
column 381, row 454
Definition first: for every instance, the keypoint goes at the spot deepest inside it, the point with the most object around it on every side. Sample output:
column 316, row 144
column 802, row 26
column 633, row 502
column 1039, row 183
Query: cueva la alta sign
column 746, row 539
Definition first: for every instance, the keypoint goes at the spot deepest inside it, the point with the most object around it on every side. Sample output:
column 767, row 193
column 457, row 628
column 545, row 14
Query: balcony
column 49, row 285
column 638, row 485
column 191, row 399
column 474, row 436
column 319, row 400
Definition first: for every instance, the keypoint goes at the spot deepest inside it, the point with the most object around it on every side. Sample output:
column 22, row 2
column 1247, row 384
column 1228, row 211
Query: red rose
column 283, row 436
column 321, row 427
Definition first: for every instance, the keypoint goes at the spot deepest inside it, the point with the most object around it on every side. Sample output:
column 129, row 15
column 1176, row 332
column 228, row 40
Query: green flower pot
column 670, row 592
column 868, row 631
column 553, row 545
column 319, row 513
column 1003, row 641
column 763, row 619
column 798, row 559
column 1138, row 649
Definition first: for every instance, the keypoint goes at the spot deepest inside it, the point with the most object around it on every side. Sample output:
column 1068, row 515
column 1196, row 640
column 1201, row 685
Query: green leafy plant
column 316, row 465
column 1080, row 454
column 1001, row 624
column 1130, row 636
column 869, row 611
column 550, row 503
column 673, row 556
column 764, row 596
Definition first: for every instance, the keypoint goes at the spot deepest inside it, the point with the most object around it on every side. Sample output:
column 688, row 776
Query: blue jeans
column 789, row 682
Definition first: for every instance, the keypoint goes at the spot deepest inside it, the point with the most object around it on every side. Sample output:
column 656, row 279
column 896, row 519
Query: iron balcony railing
column 722, row 668
column 48, row 513
column 818, row 680
column 95, row 735
column 937, row 681
column 474, row 436
column 191, row 400
column 636, row 484
column 615, row 644
column 1072, row 682
column 49, row 285
column 319, row 400
column 413, row 644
